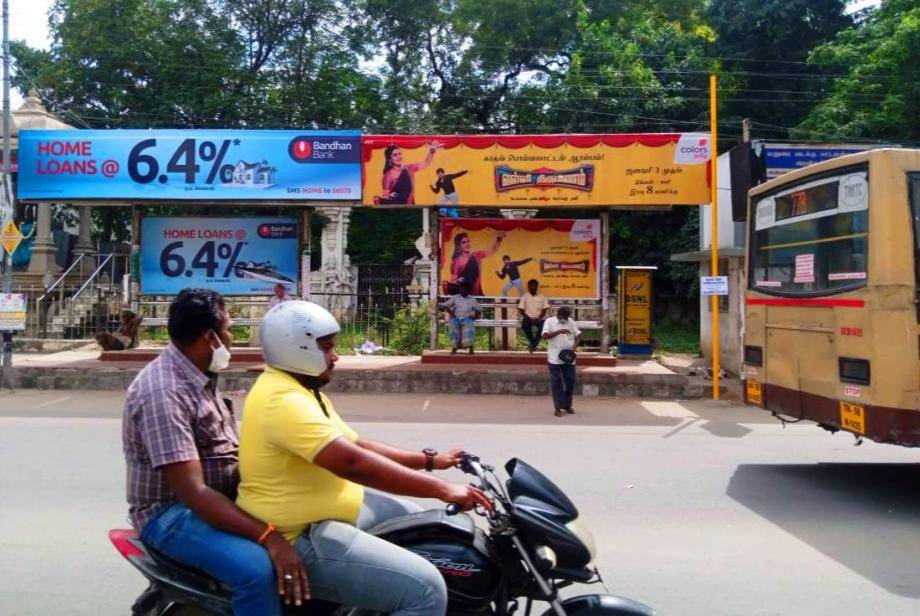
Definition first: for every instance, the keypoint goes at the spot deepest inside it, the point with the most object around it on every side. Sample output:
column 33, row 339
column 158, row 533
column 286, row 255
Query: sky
column 29, row 21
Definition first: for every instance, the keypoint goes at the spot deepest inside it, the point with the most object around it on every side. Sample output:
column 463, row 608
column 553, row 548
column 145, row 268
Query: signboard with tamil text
column 510, row 171
column 497, row 256
column 12, row 311
column 206, row 165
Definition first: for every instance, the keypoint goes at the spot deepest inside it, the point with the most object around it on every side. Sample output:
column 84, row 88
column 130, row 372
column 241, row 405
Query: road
column 698, row 507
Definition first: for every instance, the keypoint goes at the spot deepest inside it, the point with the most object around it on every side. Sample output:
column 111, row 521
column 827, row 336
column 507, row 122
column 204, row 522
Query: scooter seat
column 187, row 576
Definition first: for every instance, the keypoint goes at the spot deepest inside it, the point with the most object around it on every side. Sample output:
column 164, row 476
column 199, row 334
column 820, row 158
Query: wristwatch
column 429, row 458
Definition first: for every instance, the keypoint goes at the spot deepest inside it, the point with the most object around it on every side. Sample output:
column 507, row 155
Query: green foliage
column 382, row 235
column 763, row 45
column 677, row 336
column 409, row 330
column 879, row 95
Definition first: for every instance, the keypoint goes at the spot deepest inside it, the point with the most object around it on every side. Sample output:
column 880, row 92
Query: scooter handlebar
column 452, row 509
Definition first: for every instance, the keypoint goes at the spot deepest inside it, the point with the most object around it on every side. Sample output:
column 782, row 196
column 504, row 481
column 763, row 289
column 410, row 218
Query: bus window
column 913, row 188
column 812, row 238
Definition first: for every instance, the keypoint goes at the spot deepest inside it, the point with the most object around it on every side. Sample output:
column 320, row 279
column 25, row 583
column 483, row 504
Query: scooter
column 535, row 545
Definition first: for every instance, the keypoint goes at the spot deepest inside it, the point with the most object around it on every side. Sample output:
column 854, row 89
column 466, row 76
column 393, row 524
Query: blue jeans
column 513, row 284
column 347, row 565
column 562, row 384
column 242, row 564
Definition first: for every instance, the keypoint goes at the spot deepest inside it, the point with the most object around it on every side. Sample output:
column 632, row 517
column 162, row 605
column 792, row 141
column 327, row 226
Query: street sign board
column 714, row 285
column 12, row 311
column 10, row 236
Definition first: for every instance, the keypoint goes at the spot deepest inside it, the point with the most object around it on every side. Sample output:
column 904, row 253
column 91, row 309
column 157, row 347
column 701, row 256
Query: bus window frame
column 914, row 176
column 752, row 228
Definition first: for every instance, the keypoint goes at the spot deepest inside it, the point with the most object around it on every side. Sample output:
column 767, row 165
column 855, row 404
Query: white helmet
column 289, row 332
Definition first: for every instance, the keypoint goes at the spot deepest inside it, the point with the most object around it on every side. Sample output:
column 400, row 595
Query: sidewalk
column 83, row 369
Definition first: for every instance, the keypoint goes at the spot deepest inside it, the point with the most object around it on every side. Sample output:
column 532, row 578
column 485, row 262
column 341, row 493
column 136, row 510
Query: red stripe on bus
column 842, row 303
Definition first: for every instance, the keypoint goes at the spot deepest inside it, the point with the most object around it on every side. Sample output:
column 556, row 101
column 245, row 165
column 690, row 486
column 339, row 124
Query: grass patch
column 677, row 337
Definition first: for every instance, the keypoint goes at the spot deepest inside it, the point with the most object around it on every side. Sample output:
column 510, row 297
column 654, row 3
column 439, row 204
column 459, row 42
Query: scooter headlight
column 580, row 529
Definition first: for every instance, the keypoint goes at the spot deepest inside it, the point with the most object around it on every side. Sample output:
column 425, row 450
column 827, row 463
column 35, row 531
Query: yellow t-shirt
column 283, row 431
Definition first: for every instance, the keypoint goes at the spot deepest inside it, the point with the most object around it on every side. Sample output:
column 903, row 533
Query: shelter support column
column 84, row 243
column 435, row 234
column 605, row 280
column 305, row 253
column 134, row 289
column 43, row 262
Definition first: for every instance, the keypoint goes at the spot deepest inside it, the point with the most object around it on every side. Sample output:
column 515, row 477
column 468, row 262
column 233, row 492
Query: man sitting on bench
column 464, row 310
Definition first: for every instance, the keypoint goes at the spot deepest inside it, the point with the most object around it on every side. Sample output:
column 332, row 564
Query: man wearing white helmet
column 303, row 471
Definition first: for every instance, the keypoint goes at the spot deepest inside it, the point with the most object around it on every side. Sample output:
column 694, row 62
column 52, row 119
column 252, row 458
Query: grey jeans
column 347, row 565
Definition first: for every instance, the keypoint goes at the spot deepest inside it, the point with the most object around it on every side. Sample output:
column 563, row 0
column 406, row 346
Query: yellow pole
column 714, row 266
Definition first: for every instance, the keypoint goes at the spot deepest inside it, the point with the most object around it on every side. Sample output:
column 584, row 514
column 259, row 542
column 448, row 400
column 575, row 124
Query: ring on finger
column 288, row 577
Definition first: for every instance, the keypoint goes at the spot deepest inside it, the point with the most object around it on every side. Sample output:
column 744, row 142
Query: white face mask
column 220, row 358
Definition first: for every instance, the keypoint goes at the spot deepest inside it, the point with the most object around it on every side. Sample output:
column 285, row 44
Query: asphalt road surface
column 699, row 508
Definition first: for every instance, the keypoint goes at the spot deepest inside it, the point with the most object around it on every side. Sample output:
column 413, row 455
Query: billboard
column 536, row 170
column 782, row 158
column 234, row 256
column 207, row 165
column 497, row 256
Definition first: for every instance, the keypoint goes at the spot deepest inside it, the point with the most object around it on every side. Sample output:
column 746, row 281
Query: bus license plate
column 853, row 417
column 754, row 392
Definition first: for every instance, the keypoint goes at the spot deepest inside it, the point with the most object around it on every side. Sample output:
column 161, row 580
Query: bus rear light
column 854, row 370
column 753, row 355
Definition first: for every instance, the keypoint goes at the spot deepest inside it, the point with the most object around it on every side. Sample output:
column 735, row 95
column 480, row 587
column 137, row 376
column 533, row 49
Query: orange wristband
column 268, row 530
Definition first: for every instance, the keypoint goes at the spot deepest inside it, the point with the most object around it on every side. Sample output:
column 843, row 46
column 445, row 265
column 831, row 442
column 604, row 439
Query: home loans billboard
column 536, row 170
column 497, row 256
column 208, row 165
column 234, row 256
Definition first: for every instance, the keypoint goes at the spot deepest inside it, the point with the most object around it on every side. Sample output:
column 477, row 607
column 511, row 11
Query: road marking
column 668, row 409
column 49, row 403
column 425, row 406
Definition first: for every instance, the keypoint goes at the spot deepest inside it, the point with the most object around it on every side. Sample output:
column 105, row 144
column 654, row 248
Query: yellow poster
column 637, row 307
column 535, row 170
column 497, row 257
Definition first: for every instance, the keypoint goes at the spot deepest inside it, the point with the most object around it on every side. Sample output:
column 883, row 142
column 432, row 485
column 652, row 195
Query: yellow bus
column 833, row 284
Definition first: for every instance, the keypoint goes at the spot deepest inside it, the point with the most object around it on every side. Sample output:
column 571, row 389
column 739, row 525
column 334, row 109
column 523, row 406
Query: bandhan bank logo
column 324, row 149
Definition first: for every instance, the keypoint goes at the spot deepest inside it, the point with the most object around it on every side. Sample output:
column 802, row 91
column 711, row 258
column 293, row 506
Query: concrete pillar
column 43, row 251
column 336, row 277
column 84, row 238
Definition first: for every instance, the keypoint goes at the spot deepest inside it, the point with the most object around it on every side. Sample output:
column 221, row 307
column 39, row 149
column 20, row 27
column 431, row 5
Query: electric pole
column 7, row 344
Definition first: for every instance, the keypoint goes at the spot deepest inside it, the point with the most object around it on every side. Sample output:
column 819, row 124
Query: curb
column 465, row 381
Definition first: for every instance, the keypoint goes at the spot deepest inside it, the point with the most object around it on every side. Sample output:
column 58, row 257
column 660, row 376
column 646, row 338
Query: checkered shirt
column 174, row 413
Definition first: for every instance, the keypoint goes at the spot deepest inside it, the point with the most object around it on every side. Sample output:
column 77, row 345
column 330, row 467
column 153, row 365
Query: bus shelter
column 208, row 187
column 556, row 193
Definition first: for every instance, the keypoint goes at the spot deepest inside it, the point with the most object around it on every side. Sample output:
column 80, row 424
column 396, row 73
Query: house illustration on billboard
column 254, row 175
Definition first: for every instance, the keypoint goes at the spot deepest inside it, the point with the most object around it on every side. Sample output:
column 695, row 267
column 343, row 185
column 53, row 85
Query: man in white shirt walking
column 563, row 337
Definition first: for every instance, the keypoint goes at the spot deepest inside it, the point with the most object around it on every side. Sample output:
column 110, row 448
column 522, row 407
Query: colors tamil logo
column 508, row 179
column 692, row 149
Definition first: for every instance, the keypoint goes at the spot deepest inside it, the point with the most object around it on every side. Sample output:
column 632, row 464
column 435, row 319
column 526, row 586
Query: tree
column 878, row 94
column 762, row 46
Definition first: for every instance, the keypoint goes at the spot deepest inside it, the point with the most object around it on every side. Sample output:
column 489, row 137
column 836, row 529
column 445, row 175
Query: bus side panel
column 754, row 336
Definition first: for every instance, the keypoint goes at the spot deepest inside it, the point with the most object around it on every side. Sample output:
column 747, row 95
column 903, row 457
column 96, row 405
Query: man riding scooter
column 304, row 471
column 180, row 445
